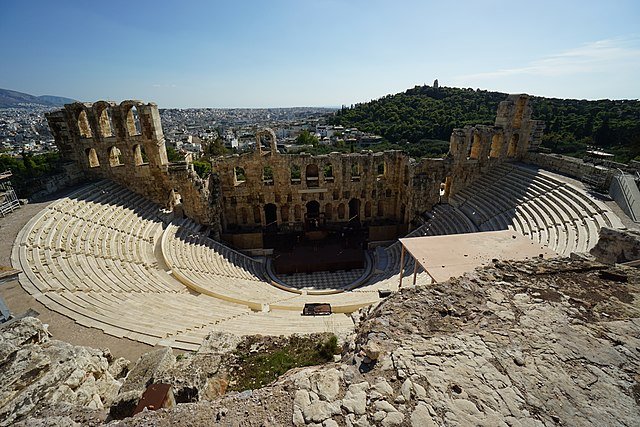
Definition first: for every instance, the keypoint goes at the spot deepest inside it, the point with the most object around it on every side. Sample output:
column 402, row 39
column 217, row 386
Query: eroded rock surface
column 617, row 246
column 41, row 374
column 543, row 342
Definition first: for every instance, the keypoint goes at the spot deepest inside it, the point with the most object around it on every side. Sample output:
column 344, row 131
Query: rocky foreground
column 544, row 342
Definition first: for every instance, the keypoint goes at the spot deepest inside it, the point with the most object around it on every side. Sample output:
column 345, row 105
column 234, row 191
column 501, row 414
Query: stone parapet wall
column 565, row 165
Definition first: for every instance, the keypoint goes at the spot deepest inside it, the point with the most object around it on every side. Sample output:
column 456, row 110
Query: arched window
column 92, row 158
column 114, row 156
column 284, row 213
column 267, row 175
column 341, row 211
column 297, row 212
column 83, row 125
column 238, row 175
column 105, row 122
column 476, row 147
column 133, row 122
column 355, row 172
column 380, row 208
column 311, row 175
column 295, row 174
column 244, row 215
column 496, row 145
column 257, row 218
column 336, row 194
column 327, row 172
column 139, row 155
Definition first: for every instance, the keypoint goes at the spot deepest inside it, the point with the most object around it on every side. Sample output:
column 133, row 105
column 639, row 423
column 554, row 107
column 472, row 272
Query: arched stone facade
column 249, row 192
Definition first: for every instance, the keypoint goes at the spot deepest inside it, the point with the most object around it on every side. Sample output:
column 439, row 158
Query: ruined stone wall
column 565, row 165
column 376, row 185
column 125, row 143
column 475, row 149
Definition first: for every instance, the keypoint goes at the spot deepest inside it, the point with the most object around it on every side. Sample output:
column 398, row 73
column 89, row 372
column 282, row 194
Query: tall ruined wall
column 475, row 149
column 259, row 188
column 125, row 143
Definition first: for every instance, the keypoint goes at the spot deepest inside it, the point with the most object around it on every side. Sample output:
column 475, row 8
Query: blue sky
column 316, row 52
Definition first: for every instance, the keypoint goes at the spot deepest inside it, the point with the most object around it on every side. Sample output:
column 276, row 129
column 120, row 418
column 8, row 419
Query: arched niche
column 92, row 158
column 284, row 213
column 497, row 142
column 114, row 157
column 132, row 121
column 83, row 124
column 476, row 147
column 139, row 155
column 105, row 120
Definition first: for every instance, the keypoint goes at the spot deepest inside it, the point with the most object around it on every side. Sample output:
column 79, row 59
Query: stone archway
column 270, row 214
column 313, row 209
column 354, row 209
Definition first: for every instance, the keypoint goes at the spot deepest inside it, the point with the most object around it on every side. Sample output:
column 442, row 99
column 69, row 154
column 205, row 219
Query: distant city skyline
column 287, row 53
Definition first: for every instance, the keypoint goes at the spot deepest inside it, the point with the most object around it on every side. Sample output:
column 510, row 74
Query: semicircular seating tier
column 533, row 202
column 108, row 258
column 91, row 256
column 211, row 268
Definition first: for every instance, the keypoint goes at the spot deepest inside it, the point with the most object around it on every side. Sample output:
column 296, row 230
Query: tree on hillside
column 307, row 138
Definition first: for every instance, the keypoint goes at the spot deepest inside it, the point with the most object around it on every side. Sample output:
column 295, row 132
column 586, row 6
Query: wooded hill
column 420, row 120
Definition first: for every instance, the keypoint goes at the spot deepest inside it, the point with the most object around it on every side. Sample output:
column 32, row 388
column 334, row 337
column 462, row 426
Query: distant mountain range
column 13, row 99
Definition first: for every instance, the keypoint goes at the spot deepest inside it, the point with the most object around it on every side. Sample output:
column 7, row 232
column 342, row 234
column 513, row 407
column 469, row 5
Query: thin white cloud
column 163, row 85
column 591, row 57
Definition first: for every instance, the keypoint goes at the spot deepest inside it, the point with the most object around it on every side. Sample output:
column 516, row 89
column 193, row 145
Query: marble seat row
column 92, row 257
column 188, row 249
column 536, row 204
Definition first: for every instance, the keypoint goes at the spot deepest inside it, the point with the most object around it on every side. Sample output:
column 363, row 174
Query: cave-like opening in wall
column 271, row 216
column 354, row 210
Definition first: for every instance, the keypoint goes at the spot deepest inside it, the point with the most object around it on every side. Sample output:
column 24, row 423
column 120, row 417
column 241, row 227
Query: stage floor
column 309, row 257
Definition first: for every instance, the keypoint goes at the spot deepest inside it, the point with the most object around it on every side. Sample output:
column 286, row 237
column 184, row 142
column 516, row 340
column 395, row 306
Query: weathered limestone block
column 37, row 372
column 616, row 246
column 148, row 367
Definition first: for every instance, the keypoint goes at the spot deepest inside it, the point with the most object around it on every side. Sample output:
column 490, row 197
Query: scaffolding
column 8, row 199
